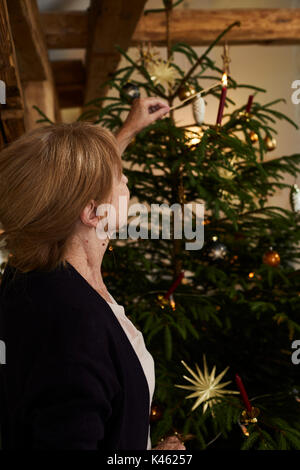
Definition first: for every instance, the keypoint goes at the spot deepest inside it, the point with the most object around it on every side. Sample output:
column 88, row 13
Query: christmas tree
column 230, row 307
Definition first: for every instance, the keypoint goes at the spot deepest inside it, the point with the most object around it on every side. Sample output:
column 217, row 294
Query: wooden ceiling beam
column 68, row 72
column 195, row 27
column 69, row 77
column 201, row 27
column 33, row 61
column 110, row 24
column 65, row 29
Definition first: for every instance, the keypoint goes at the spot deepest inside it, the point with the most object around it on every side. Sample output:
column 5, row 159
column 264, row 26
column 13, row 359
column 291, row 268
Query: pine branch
column 201, row 58
column 45, row 118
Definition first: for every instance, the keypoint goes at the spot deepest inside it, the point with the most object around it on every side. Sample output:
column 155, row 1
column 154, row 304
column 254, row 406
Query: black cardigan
column 72, row 379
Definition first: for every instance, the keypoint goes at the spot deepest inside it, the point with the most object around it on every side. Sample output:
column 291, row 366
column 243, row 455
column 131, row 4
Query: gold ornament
column 253, row 136
column 270, row 143
column 156, row 413
column 271, row 258
column 206, row 386
column 185, row 91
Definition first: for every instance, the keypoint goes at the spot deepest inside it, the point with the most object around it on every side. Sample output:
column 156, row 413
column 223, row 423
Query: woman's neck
column 86, row 256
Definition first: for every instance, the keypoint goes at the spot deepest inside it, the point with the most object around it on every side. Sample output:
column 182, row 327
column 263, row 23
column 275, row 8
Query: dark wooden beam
column 69, row 77
column 68, row 72
column 201, row 27
column 32, row 56
column 12, row 112
column 195, row 27
column 70, row 97
column 65, row 29
column 110, row 24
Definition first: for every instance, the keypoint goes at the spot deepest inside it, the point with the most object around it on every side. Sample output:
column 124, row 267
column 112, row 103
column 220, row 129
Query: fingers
column 173, row 442
column 158, row 114
column 170, row 443
column 152, row 100
column 154, row 104
column 153, row 108
column 145, row 111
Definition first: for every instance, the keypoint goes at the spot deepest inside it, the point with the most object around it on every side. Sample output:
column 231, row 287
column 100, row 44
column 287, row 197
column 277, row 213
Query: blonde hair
column 47, row 177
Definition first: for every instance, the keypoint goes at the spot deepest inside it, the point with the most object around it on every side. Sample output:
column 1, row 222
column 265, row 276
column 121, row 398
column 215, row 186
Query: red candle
column 174, row 285
column 243, row 392
column 221, row 105
column 250, row 101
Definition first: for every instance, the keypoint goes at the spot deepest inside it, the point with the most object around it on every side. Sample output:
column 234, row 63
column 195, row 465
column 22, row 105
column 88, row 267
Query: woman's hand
column 170, row 443
column 144, row 111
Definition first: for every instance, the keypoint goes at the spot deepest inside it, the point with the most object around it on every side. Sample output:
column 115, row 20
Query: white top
column 136, row 338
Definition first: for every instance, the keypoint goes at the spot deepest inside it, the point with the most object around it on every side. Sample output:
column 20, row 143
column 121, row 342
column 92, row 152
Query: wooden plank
column 69, row 77
column 110, row 23
column 70, row 97
column 32, row 56
column 68, row 72
column 12, row 113
column 65, row 29
column 32, row 60
column 201, row 27
column 195, row 27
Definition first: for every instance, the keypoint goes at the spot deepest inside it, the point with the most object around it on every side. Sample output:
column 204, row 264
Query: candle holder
column 249, row 417
column 162, row 300
column 246, row 418
column 245, row 116
column 168, row 298
column 216, row 127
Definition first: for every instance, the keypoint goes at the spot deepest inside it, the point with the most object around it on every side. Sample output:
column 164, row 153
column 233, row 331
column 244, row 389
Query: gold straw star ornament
column 206, row 386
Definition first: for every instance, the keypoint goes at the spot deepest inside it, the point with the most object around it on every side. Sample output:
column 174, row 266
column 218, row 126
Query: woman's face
column 120, row 200
column 113, row 218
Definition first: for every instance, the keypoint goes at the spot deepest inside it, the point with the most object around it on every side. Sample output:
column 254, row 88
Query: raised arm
column 143, row 112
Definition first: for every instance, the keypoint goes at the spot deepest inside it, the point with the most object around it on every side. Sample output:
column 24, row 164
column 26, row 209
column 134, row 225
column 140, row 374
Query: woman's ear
column 88, row 214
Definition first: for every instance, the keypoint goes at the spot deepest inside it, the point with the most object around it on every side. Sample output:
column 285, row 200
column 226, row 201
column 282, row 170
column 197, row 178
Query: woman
column 77, row 373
